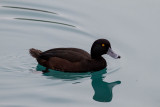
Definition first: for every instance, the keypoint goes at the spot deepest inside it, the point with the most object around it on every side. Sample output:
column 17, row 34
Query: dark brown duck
column 74, row 59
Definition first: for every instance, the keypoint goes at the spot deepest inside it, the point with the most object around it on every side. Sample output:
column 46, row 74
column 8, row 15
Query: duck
column 75, row 59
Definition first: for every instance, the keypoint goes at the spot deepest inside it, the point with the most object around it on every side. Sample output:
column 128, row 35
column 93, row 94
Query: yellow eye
column 103, row 45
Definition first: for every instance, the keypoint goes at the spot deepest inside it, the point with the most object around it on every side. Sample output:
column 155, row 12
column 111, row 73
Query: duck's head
column 102, row 46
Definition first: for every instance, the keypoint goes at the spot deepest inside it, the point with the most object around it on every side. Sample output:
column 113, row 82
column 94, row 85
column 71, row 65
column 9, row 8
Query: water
column 131, row 26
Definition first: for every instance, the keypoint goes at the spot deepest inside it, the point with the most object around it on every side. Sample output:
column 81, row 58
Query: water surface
column 132, row 27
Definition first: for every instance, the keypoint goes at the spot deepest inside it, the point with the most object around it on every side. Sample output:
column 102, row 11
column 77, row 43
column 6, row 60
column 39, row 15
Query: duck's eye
column 103, row 45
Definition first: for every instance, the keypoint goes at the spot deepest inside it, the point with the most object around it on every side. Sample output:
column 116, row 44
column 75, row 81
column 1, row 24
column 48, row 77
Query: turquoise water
column 132, row 27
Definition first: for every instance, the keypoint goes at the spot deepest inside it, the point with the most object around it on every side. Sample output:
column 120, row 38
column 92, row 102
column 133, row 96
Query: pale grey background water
column 131, row 26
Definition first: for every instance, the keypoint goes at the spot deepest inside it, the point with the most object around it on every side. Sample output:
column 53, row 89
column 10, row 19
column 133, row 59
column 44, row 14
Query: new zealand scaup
column 74, row 59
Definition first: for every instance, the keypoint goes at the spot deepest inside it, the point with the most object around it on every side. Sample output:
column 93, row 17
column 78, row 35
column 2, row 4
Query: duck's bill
column 113, row 54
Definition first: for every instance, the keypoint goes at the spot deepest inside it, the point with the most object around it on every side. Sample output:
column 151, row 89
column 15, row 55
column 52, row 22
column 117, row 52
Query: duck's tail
column 35, row 52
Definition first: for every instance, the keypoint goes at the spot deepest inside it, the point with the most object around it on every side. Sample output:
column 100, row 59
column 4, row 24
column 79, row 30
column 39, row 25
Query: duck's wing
column 70, row 54
column 80, row 51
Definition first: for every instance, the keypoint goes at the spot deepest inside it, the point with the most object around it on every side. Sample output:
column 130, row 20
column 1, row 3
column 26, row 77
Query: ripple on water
column 31, row 14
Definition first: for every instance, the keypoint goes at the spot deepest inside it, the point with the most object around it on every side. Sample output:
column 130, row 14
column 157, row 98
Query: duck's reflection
column 102, row 89
column 64, row 76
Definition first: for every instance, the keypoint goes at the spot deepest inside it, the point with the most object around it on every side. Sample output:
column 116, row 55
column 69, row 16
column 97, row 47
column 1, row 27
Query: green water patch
column 102, row 89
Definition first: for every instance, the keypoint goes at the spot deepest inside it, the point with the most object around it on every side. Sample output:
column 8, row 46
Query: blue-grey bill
column 112, row 54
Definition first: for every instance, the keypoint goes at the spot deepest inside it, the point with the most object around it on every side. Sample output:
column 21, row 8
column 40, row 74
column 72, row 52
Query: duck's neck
column 98, row 63
column 95, row 55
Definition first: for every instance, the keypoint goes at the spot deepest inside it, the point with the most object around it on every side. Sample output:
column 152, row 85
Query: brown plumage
column 35, row 52
column 73, row 59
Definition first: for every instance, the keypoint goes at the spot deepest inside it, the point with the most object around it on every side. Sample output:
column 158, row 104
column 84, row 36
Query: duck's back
column 70, row 54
